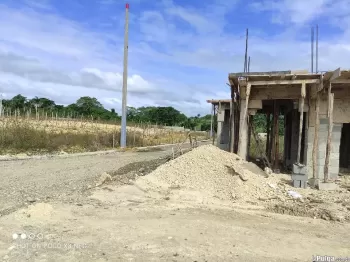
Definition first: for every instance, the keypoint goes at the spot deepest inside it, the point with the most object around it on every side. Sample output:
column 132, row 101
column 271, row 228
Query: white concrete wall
column 322, row 145
column 341, row 110
column 341, row 114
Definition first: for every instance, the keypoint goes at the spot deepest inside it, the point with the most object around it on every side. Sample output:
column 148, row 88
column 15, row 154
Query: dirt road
column 26, row 181
column 147, row 230
column 120, row 221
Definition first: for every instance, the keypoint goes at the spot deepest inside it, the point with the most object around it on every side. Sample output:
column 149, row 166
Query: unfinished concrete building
column 314, row 109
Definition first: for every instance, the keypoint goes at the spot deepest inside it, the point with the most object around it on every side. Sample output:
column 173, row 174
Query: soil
column 138, row 215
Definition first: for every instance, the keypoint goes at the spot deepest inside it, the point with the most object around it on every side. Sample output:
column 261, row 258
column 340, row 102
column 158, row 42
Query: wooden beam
column 330, row 130
column 241, row 143
column 301, row 110
column 214, row 112
column 268, row 120
column 212, row 120
column 219, row 126
column 274, row 73
column 341, row 81
column 284, row 82
column 232, row 121
column 273, row 92
column 275, row 136
column 315, row 148
column 249, row 119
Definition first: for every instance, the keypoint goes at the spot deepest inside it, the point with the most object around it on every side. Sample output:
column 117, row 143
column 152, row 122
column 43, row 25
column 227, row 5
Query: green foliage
column 91, row 108
column 260, row 122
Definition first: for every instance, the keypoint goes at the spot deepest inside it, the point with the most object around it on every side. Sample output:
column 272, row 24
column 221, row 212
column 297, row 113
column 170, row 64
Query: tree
column 18, row 102
column 88, row 105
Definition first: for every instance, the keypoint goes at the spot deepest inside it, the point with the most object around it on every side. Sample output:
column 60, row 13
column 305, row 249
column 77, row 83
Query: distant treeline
column 90, row 107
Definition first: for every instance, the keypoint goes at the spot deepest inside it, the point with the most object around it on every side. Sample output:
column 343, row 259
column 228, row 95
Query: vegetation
column 90, row 108
column 19, row 135
column 260, row 121
column 38, row 125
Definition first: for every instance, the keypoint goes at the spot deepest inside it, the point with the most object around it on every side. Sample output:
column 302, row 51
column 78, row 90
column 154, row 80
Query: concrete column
column 243, row 133
column 211, row 120
column 294, row 122
column 219, row 133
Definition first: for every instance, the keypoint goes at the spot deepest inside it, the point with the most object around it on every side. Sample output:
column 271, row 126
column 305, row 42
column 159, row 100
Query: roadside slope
column 33, row 180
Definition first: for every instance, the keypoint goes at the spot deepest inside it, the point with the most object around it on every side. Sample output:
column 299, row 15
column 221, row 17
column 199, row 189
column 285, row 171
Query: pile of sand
column 210, row 173
column 216, row 173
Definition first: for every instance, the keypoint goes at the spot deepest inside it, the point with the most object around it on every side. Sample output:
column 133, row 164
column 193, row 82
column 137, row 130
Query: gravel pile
column 216, row 173
column 208, row 172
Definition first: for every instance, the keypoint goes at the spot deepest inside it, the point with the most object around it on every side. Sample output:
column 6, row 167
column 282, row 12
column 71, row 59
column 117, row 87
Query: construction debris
column 208, row 172
column 103, row 179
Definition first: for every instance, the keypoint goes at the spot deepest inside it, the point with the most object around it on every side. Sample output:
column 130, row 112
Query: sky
column 180, row 52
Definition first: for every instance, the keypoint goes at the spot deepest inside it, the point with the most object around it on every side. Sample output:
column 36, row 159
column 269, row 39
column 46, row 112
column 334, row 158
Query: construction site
column 314, row 111
column 277, row 191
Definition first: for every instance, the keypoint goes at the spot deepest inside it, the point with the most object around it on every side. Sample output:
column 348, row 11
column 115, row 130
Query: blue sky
column 180, row 52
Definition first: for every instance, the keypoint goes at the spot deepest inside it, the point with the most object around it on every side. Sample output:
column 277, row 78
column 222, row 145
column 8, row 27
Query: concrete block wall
column 322, row 145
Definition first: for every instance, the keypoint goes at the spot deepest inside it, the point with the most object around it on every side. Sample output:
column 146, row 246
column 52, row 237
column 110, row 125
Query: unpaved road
column 148, row 230
column 27, row 181
column 117, row 222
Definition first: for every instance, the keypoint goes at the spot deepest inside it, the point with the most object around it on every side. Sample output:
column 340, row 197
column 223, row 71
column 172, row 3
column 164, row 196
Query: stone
column 303, row 184
column 313, row 182
column 268, row 171
column 327, row 186
column 104, row 178
column 299, row 169
column 296, row 183
column 299, row 177
column 31, row 200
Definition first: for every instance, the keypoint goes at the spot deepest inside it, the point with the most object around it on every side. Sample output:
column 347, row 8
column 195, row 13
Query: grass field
column 23, row 135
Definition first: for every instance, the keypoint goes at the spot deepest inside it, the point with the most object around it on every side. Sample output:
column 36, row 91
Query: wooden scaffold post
column 330, row 130
column 301, row 110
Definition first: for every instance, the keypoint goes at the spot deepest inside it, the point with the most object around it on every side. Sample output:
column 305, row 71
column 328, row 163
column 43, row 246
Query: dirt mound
column 214, row 172
column 207, row 172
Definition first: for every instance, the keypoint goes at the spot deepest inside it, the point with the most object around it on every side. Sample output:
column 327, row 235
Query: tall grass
column 21, row 135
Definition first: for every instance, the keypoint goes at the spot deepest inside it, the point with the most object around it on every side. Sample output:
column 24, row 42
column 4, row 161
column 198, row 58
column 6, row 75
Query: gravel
column 225, row 176
column 70, row 179
column 214, row 172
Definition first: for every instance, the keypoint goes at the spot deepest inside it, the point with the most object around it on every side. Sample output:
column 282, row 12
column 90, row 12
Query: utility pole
column 125, row 80
column 312, row 50
column 246, row 52
column 0, row 105
column 316, row 49
column 248, row 64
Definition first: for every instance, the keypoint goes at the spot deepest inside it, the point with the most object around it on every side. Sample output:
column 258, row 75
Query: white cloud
column 39, row 4
column 300, row 12
column 179, row 55
column 31, row 69
column 223, row 51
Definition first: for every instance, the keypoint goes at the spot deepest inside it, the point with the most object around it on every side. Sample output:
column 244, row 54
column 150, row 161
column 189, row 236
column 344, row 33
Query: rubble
column 217, row 174
column 103, row 179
